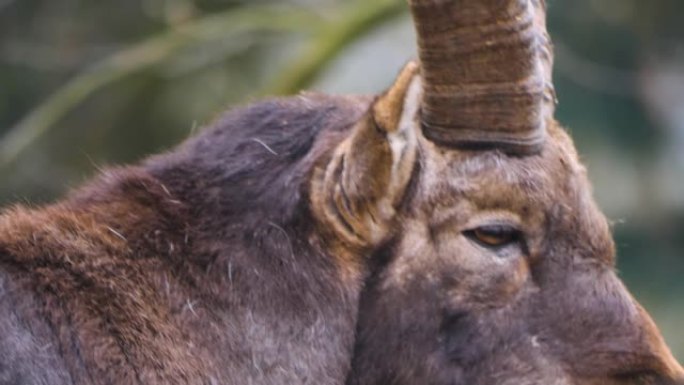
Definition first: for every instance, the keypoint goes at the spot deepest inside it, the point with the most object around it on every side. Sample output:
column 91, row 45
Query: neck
column 272, row 285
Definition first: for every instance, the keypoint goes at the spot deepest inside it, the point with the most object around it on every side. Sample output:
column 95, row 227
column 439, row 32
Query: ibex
column 441, row 233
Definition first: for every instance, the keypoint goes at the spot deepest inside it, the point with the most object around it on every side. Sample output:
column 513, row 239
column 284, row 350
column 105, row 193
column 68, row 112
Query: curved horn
column 486, row 67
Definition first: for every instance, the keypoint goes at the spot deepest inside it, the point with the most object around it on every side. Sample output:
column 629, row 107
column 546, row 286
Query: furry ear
column 357, row 191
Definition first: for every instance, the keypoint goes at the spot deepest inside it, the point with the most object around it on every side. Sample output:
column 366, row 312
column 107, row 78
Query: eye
column 494, row 236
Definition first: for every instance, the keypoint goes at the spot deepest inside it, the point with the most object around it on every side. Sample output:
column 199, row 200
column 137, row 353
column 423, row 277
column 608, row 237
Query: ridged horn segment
column 486, row 67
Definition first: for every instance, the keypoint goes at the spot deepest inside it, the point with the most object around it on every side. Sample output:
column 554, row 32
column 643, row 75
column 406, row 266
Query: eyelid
column 508, row 226
column 494, row 218
column 497, row 226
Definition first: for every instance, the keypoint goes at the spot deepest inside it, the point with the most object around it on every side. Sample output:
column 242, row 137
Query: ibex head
column 492, row 263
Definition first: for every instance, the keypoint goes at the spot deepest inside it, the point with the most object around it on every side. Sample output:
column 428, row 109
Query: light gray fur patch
column 27, row 355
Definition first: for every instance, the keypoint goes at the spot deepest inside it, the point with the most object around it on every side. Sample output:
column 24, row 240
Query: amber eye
column 495, row 236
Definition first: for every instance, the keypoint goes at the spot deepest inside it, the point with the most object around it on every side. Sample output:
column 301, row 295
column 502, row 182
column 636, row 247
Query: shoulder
column 115, row 214
column 91, row 265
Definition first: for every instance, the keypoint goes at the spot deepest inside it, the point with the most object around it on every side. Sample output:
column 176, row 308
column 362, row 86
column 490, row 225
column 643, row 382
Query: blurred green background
column 85, row 84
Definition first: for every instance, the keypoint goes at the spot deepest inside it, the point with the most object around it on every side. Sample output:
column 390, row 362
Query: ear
column 357, row 192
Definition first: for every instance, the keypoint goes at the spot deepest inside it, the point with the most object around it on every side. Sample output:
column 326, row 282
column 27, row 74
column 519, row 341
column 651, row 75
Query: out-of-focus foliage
column 111, row 81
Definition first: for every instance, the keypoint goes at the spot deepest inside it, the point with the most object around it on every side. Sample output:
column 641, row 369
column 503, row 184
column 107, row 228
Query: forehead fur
column 540, row 176
column 548, row 192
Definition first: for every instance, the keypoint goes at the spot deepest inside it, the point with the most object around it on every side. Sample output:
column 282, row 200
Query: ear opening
column 357, row 193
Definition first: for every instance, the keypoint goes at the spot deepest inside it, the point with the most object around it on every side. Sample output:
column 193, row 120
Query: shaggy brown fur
column 194, row 268
column 87, row 264
column 329, row 241
column 208, row 266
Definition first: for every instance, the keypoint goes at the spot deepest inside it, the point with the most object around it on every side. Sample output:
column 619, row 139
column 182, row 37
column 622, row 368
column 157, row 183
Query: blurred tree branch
column 357, row 20
column 328, row 40
column 144, row 56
